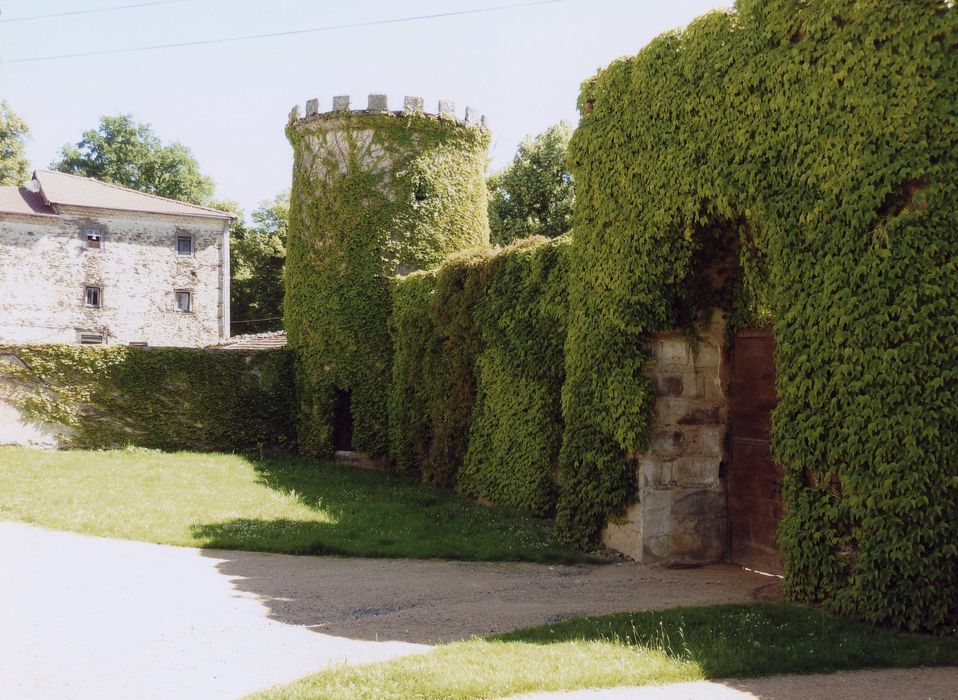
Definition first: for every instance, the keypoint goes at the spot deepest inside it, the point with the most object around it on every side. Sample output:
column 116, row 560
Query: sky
column 520, row 65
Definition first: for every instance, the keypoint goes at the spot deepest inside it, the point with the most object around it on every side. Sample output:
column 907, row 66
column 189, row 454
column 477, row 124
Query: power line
column 249, row 37
column 95, row 10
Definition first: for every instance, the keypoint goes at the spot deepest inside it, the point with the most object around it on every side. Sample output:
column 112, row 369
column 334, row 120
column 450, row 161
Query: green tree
column 14, row 167
column 124, row 152
column 257, row 259
column 534, row 195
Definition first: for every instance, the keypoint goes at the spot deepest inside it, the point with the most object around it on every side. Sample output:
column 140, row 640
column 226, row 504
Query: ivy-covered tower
column 376, row 194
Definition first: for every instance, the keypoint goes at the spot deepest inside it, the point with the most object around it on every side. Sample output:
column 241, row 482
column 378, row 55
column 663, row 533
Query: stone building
column 82, row 261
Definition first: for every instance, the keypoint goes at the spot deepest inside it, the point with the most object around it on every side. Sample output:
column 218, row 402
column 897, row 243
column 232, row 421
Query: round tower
column 376, row 194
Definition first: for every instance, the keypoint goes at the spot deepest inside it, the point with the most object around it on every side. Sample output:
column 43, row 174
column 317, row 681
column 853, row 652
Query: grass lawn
column 277, row 504
column 681, row 644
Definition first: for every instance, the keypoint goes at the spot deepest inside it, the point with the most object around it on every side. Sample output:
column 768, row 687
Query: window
column 184, row 245
column 138, row 344
column 94, row 237
column 184, row 300
column 91, row 339
column 92, row 296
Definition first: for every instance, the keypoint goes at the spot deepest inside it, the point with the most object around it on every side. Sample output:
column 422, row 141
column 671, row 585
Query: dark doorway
column 343, row 421
column 753, row 480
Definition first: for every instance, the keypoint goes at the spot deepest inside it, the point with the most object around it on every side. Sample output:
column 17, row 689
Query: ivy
column 827, row 130
column 162, row 398
column 374, row 195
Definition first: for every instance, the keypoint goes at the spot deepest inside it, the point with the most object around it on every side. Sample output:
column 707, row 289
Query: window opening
column 184, row 301
column 92, row 297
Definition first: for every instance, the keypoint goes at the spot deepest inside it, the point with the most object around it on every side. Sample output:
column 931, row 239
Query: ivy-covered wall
column 164, row 398
column 830, row 128
column 374, row 195
column 477, row 371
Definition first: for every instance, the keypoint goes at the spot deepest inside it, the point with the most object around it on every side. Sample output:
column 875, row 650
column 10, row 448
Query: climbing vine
column 374, row 195
column 165, row 398
column 829, row 130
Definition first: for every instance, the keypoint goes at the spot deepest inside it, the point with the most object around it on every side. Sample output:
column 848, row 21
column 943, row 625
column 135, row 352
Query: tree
column 257, row 259
column 124, row 152
column 534, row 195
column 14, row 167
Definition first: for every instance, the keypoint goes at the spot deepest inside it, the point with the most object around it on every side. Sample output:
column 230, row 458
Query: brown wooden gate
column 753, row 480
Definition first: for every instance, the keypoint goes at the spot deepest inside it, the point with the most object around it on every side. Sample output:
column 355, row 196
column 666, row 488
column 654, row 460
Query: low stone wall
column 680, row 513
column 61, row 396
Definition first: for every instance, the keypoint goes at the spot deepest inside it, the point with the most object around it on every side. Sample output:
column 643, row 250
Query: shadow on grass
column 378, row 514
column 754, row 639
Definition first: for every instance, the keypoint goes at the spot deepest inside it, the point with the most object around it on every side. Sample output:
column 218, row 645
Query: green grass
column 681, row 644
column 277, row 504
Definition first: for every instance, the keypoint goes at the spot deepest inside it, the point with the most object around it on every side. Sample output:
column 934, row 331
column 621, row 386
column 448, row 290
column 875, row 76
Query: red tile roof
column 60, row 189
column 254, row 341
column 20, row 200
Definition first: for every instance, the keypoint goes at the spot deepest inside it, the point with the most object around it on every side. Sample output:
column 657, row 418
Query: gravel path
column 891, row 684
column 86, row 617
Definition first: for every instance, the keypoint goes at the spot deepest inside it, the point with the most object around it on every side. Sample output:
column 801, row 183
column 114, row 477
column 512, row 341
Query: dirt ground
column 87, row 617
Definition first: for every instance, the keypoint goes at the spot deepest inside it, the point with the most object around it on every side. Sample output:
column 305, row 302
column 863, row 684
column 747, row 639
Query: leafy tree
column 534, row 195
column 257, row 259
column 14, row 167
column 124, row 152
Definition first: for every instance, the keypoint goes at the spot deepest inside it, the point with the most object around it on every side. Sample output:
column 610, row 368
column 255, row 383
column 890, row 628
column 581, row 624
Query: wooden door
column 753, row 480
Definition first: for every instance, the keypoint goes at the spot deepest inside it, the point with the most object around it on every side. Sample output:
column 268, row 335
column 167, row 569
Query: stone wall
column 680, row 513
column 45, row 266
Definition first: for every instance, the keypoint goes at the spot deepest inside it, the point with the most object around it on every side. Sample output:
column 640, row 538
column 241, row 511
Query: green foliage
column 436, row 344
column 829, row 128
column 165, row 398
column 14, row 132
column 384, row 194
column 257, row 261
column 477, row 366
column 124, row 152
column 534, row 195
column 517, row 424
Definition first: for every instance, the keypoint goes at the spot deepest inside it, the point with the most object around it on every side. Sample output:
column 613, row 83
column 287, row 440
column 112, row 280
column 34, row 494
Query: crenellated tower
column 376, row 194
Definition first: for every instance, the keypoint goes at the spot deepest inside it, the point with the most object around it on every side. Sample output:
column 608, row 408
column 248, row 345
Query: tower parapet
column 379, row 104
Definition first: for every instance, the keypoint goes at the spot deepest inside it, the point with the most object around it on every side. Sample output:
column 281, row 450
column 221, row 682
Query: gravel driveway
column 87, row 617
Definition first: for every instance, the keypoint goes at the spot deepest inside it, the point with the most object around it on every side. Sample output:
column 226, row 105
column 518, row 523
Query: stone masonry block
column 294, row 113
column 656, row 512
column 670, row 410
column 698, row 525
column 447, row 108
column 655, row 473
column 667, row 443
column 702, row 440
column 696, row 472
column 472, row 115
column 341, row 103
column 700, row 413
column 413, row 104
column 707, row 357
column 670, row 384
column 378, row 103
column 312, row 107
column 671, row 352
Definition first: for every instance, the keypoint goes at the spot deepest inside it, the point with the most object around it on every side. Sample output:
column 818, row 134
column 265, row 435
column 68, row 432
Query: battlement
column 379, row 104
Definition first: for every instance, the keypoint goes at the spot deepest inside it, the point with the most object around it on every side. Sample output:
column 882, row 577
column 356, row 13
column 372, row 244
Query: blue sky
column 228, row 102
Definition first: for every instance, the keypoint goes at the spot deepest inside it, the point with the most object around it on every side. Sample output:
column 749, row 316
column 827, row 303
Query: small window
column 184, row 301
column 92, row 297
column 184, row 245
column 94, row 237
column 91, row 339
column 138, row 344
